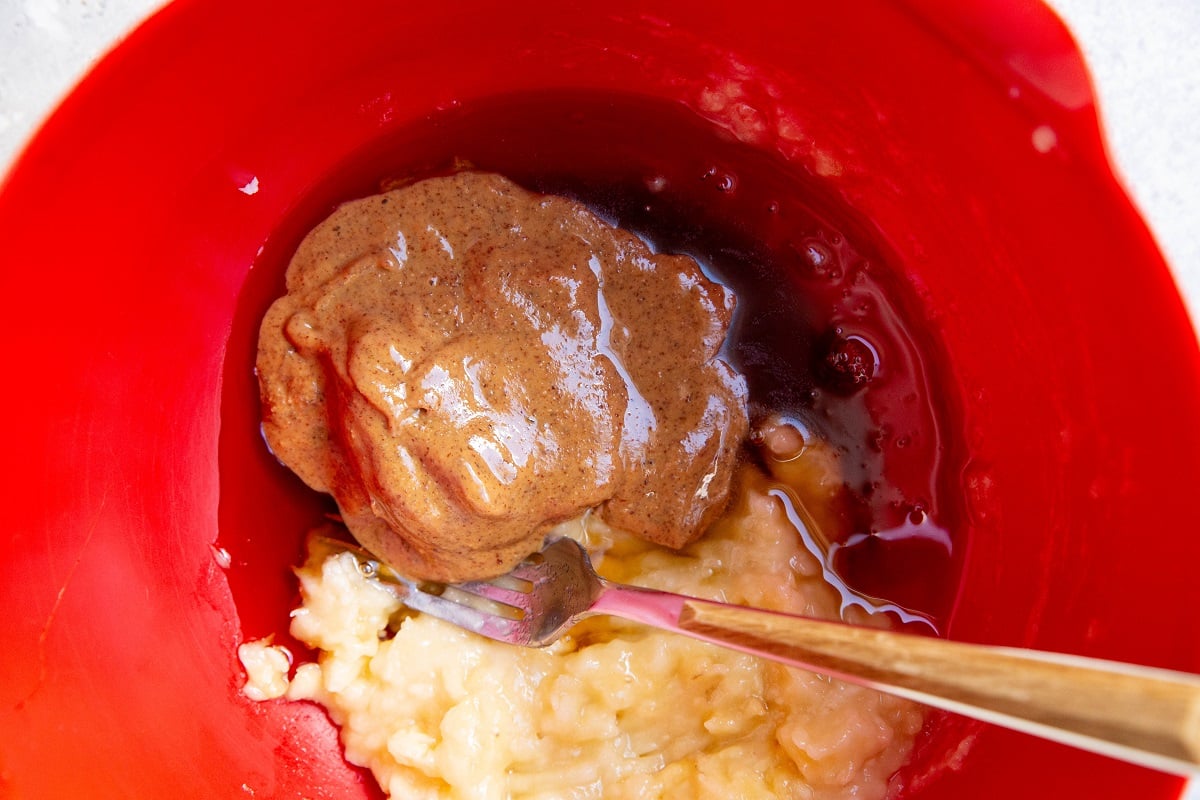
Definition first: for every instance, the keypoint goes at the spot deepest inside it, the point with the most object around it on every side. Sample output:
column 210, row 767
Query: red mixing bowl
column 139, row 551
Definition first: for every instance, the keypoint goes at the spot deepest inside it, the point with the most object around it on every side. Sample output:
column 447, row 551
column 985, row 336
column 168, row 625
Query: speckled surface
column 1145, row 59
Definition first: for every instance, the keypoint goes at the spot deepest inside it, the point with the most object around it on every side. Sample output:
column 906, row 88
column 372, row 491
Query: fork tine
column 464, row 616
column 481, row 602
column 511, row 581
column 479, row 614
column 504, row 595
column 527, row 570
column 525, row 606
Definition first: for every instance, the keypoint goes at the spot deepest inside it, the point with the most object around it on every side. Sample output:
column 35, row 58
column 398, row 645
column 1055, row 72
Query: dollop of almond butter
column 463, row 364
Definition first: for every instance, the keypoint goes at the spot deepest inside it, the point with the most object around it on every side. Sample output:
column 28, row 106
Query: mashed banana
column 614, row 709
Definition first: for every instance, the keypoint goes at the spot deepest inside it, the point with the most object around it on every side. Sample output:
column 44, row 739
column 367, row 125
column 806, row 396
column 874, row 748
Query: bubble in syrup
column 727, row 183
column 773, row 207
column 656, row 183
column 849, row 362
column 816, row 256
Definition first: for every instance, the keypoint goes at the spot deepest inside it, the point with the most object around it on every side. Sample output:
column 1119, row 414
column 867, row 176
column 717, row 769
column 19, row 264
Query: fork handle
column 1139, row 714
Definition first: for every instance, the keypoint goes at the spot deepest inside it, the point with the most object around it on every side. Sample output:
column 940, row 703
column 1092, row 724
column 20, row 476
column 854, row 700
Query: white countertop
column 1144, row 57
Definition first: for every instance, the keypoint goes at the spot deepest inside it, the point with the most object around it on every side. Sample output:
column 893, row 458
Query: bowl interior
column 146, row 224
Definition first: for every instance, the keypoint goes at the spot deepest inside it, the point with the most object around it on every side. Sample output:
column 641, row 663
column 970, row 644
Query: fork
column 1140, row 714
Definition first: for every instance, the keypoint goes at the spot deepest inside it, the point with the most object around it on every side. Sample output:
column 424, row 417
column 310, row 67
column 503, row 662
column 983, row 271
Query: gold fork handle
column 1139, row 714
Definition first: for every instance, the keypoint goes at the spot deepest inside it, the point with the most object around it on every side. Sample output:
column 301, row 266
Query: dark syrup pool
column 827, row 331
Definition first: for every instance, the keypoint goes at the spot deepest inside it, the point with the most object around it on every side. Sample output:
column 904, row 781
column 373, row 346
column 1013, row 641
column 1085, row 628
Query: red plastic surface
column 131, row 223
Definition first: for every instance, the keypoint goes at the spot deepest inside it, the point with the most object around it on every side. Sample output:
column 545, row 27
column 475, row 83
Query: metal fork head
column 532, row 605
